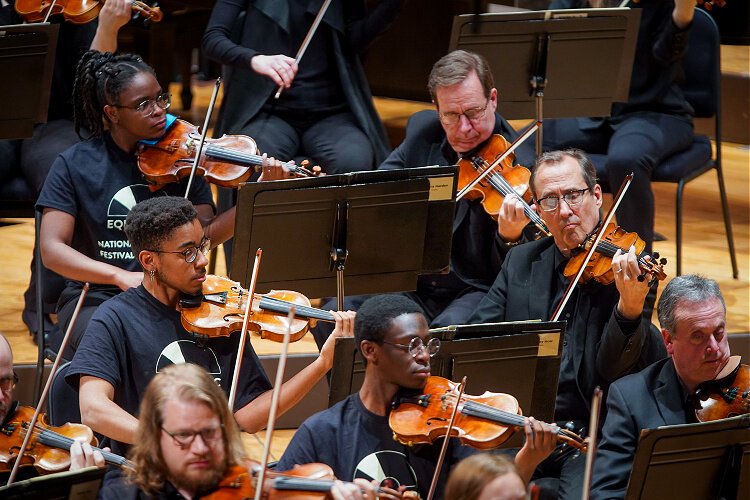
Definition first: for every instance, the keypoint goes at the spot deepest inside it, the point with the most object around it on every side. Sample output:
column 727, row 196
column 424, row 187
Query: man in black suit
column 608, row 332
column 692, row 315
column 466, row 100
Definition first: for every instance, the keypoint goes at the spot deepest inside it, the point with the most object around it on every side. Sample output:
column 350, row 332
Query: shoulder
column 328, row 420
column 644, row 380
column 425, row 124
column 531, row 250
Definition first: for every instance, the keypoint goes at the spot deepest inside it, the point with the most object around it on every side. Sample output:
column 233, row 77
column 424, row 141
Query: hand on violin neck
column 273, row 169
column 632, row 290
column 540, row 442
column 344, row 328
column 511, row 219
column 83, row 455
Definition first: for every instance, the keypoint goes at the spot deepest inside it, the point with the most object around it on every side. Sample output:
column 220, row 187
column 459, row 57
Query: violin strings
column 222, row 153
column 302, row 310
column 502, row 185
column 51, row 438
column 611, row 249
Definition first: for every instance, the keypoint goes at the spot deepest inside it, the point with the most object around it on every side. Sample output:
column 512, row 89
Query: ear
column 597, row 192
column 112, row 114
column 148, row 261
column 668, row 341
column 494, row 95
column 369, row 351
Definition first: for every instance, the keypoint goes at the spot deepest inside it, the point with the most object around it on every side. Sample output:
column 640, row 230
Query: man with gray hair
column 692, row 315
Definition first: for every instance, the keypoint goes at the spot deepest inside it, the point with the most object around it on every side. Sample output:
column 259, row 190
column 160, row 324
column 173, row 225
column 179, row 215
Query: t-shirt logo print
column 390, row 468
column 124, row 200
column 187, row 351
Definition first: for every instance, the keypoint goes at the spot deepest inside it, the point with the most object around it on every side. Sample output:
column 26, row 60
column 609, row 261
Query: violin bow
column 199, row 150
column 45, row 392
column 446, row 440
column 306, row 41
column 274, row 405
column 487, row 171
column 243, row 334
column 571, row 286
column 46, row 19
column 596, row 405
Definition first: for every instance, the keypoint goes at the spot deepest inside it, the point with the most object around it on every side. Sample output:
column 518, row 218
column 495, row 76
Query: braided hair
column 100, row 78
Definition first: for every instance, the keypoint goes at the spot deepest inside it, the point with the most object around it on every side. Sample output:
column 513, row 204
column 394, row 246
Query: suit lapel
column 542, row 269
column 668, row 396
column 278, row 11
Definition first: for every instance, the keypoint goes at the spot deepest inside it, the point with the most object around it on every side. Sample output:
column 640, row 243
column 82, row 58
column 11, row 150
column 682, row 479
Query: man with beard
column 189, row 441
column 136, row 334
column 692, row 315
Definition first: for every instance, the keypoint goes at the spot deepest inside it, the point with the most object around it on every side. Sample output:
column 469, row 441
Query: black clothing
column 652, row 398
column 98, row 183
column 357, row 443
column 655, row 123
column 598, row 348
column 133, row 336
column 268, row 29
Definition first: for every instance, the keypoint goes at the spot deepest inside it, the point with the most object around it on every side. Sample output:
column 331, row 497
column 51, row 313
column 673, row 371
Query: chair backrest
column 702, row 66
column 62, row 402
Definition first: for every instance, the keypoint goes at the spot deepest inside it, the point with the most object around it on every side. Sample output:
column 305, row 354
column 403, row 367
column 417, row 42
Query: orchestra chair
column 62, row 400
column 702, row 86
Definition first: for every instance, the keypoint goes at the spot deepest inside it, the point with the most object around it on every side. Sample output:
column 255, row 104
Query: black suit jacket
column 477, row 251
column 265, row 30
column 524, row 290
column 645, row 400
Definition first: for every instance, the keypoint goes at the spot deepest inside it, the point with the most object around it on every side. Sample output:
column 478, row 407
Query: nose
column 200, row 260
column 712, row 345
column 564, row 208
column 199, row 445
column 423, row 357
column 464, row 124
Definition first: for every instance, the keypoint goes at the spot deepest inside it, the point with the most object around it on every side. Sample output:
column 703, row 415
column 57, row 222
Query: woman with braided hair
column 92, row 186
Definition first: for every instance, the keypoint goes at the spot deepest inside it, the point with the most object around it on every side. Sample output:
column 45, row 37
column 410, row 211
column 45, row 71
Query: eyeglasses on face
column 572, row 198
column 190, row 253
column 147, row 107
column 184, row 439
column 474, row 115
column 8, row 382
column 415, row 346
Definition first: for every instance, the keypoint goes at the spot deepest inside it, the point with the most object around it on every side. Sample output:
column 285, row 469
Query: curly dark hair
column 100, row 78
column 152, row 221
column 375, row 316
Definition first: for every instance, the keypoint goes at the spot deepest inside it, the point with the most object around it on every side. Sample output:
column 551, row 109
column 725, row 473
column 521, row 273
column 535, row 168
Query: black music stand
column 83, row 484
column 378, row 229
column 27, row 53
column 519, row 358
column 554, row 64
column 711, row 460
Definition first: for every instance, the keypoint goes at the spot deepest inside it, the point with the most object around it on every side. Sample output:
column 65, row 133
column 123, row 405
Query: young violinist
column 92, row 186
column 608, row 326
column 136, row 334
column 353, row 437
column 692, row 315
column 81, row 454
column 466, row 117
column 189, row 443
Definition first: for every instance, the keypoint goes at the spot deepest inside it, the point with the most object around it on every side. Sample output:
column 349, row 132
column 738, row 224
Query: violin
column 599, row 267
column 506, row 179
column 48, row 449
column 77, row 11
column 305, row 482
column 220, row 311
column 482, row 422
column 224, row 161
column 728, row 395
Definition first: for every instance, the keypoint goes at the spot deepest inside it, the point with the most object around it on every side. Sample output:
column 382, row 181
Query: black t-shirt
column 98, row 183
column 132, row 336
column 357, row 443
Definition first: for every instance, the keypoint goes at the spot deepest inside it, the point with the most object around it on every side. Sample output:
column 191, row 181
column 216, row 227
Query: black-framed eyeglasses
column 572, row 198
column 190, row 253
column 9, row 382
column 147, row 107
column 415, row 346
column 184, row 439
column 472, row 114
